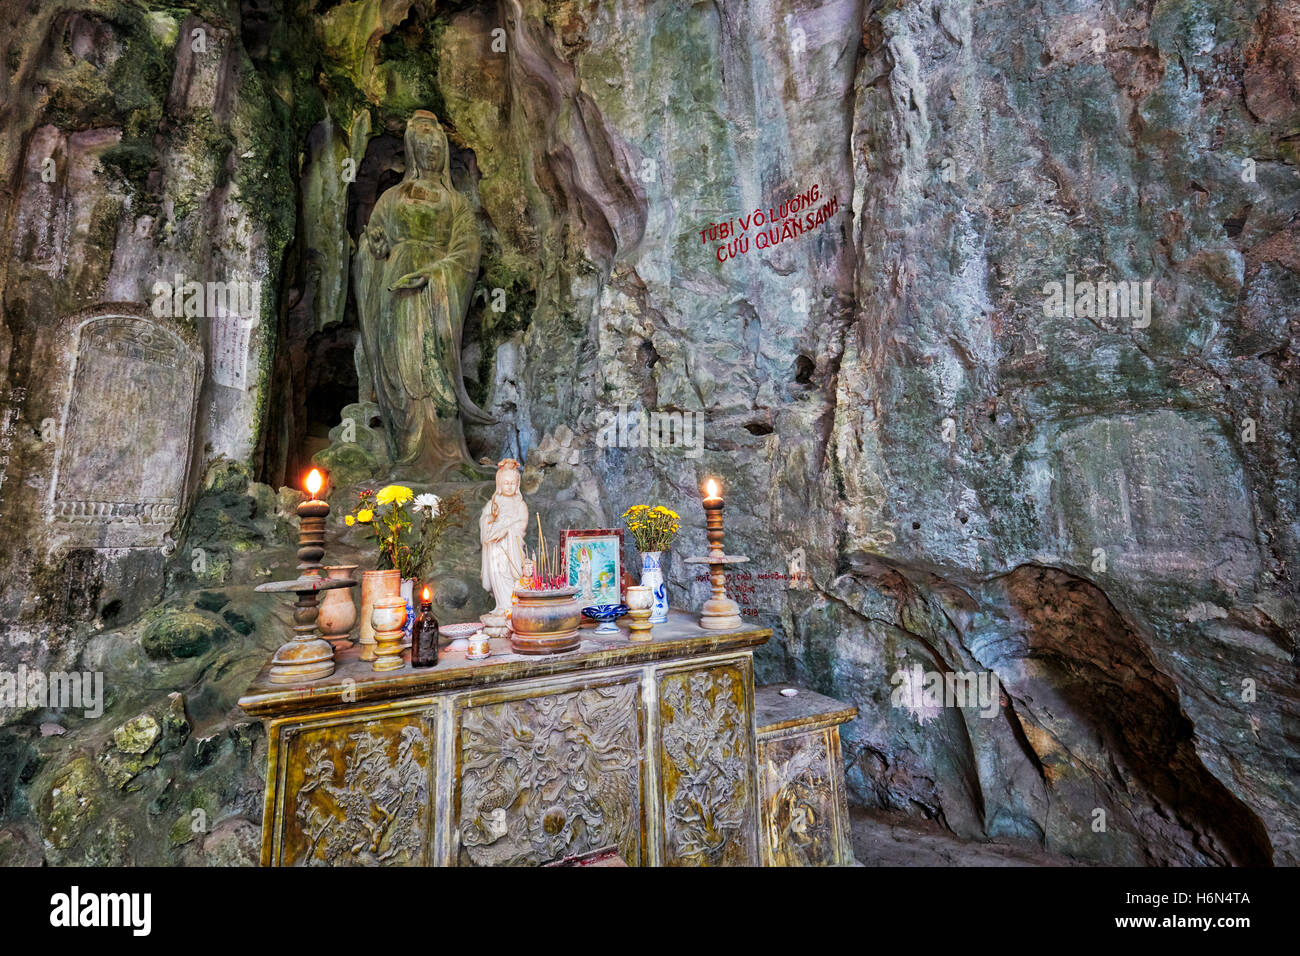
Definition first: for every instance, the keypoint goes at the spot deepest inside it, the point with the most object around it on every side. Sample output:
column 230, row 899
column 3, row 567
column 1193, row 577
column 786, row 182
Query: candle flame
column 425, row 596
column 314, row 481
column 711, row 487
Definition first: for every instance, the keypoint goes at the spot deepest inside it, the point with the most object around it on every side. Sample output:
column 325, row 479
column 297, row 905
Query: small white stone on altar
column 789, row 692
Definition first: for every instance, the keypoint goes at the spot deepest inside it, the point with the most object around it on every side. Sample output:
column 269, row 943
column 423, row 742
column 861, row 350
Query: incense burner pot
column 545, row 621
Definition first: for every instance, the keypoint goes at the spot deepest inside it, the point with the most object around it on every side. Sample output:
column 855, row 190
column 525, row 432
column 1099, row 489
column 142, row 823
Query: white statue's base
column 496, row 625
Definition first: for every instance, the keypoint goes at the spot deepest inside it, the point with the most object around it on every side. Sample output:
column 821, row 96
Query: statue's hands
column 378, row 242
column 412, row 280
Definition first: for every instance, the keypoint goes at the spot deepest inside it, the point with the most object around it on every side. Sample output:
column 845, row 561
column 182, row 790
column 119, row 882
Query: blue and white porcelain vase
column 408, row 595
column 652, row 577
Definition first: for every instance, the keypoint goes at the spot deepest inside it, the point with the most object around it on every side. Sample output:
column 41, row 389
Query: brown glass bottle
column 424, row 635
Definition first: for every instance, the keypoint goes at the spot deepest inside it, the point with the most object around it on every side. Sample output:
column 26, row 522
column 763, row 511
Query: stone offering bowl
column 460, row 634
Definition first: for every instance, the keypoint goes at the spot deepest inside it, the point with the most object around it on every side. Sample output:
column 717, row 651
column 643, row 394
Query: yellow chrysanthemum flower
column 349, row 520
column 365, row 516
column 394, row 494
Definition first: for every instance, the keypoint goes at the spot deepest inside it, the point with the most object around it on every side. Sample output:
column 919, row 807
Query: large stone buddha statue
column 414, row 272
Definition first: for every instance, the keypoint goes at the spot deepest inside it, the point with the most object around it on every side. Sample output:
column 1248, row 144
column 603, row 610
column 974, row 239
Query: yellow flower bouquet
column 652, row 528
column 392, row 514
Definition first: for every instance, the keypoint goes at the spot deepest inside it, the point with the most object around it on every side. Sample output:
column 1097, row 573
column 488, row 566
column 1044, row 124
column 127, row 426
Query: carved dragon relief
column 706, row 745
column 371, row 811
column 547, row 777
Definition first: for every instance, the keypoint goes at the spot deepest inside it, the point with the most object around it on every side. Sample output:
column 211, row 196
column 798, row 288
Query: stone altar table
column 647, row 746
column 805, row 810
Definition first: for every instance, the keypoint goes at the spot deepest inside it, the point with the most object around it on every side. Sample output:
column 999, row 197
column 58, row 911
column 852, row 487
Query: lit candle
column 711, row 493
column 311, row 525
column 713, row 516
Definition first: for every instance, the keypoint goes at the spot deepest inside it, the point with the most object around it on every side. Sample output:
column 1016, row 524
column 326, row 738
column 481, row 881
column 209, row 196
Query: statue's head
column 426, row 146
column 508, row 477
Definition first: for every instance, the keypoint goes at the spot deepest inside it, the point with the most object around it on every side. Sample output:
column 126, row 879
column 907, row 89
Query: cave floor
column 881, row 838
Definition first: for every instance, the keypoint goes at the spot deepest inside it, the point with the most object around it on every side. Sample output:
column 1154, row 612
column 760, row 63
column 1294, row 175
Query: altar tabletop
column 354, row 681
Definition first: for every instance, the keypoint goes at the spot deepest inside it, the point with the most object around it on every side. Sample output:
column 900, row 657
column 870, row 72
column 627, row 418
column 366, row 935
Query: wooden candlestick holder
column 306, row 656
column 311, row 533
column 719, row 612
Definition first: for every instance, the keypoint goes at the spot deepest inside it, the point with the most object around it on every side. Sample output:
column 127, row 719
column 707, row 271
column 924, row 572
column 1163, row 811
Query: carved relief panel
column 706, row 766
column 123, row 449
column 552, row 775
column 356, row 792
column 804, row 812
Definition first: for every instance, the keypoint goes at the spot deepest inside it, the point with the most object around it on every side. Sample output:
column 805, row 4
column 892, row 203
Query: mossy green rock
column 173, row 634
column 347, row 463
column 73, row 802
column 132, row 752
column 137, row 735
column 211, row 601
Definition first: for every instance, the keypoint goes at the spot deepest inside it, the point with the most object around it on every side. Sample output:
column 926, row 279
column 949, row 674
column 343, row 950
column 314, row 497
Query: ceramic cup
column 639, row 598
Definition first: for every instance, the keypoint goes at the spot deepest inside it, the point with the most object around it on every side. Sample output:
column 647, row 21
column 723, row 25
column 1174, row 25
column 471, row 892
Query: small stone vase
column 387, row 619
column 374, row 586
column 338, row 610
column 652, row 577
column 640, row 602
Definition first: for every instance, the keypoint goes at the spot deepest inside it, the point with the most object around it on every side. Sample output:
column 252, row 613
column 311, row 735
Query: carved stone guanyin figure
column 501, row 526
column 414, row 272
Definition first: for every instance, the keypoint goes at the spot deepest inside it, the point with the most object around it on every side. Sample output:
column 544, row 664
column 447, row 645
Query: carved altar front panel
column 706, row 766
column 356, row 792
column 551, row 775
column 804, row 814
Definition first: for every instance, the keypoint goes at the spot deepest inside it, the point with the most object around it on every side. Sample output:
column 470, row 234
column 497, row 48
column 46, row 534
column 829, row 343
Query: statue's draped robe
column 503, row 563
column 412, row 337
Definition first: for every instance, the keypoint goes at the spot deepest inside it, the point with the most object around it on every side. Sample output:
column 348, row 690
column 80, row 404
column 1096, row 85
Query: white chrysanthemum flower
column 428, row 502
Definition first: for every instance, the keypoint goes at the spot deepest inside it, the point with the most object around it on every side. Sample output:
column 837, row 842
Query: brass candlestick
column 720, row 612
column 307, row 656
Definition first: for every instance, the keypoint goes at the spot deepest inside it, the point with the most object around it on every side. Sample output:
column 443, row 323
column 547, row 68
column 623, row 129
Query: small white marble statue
column 501, row 529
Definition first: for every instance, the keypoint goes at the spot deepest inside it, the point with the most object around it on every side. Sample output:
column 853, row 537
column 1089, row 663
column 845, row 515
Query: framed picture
column 593, row 563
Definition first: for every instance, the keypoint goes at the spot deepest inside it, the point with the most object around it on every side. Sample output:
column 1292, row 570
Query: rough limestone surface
column 1095, row 504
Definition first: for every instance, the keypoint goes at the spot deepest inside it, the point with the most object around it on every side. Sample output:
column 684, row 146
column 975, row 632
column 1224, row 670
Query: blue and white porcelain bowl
column 605, row 615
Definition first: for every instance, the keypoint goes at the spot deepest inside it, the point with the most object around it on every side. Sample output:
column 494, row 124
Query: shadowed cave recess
column 1096, row 514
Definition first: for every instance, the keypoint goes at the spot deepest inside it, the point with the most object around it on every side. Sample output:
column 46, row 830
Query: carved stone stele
column 123, row 449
